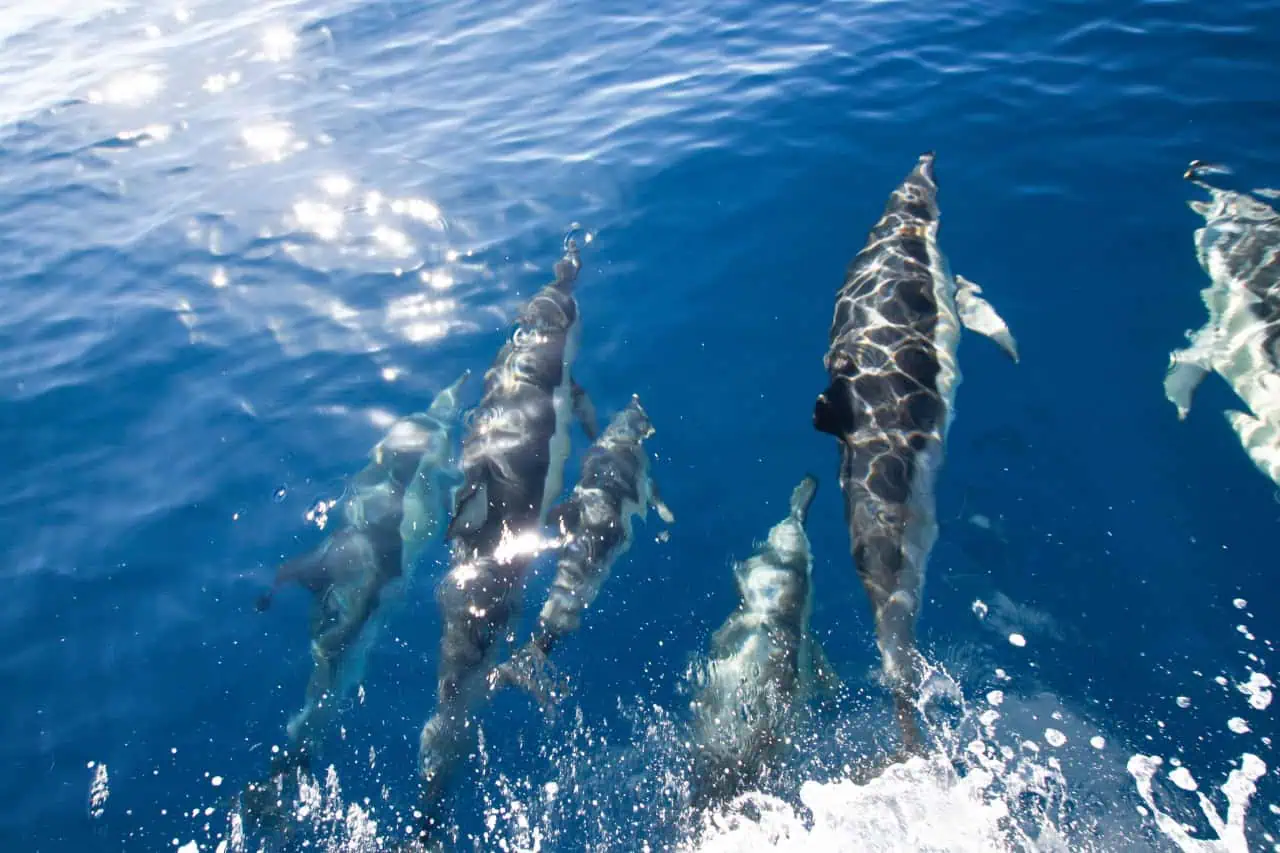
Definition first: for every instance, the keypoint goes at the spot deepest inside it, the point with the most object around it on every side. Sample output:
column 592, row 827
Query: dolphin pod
column 888, row 402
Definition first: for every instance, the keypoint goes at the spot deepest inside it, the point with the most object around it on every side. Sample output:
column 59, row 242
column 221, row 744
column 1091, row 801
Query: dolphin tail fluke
column 833, row 410
column 802, row 497
column 266, row 802
column 531, row 670
column 977, row 315
column 904, row 710
column 440, row 746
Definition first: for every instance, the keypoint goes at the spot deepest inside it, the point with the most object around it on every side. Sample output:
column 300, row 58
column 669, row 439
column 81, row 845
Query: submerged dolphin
column 513, row 456
column 359, row 572
column 614, row 488
column 763, row 661
column 892, row 364
column 1239, row 248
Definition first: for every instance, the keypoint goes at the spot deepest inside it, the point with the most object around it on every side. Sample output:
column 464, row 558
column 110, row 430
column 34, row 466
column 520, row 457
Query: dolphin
column 1239, row 249
column 358, row 573
column 763, row 661
column 513, row 456
column 429, row 494
column 614, row 487
column 892, row 365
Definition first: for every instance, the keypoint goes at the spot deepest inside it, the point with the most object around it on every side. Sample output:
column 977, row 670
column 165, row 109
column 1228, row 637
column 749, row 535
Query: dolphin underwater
column 1239, row 248
column 513, row 458
column 892, row 364
column 359, row 572
column 763, row 661
column 614, row 487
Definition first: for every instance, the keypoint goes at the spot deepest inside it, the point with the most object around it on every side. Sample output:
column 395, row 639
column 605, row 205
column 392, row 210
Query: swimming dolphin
column 1239, row 248
column 429, row 494
column 359, row 572
column 513, row 457
column 892, row 365
column 615, row 486
column 763, row 662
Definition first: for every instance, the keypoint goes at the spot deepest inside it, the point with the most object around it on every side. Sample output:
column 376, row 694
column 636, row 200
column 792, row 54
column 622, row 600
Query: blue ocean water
column 238, row 239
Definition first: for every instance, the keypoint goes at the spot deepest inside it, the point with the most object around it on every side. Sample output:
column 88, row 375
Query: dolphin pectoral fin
column 584, row 410
column 1188, row 368
column 833, row 412
column 659, row 505
column 1181, row 380
column 308, row 570
column 470, row 509
column 977, row 315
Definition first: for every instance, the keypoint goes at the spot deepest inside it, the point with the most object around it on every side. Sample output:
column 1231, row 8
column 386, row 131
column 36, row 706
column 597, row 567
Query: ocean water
column 238, row 239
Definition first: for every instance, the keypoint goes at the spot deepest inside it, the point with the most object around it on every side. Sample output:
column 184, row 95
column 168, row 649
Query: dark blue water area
column 203, row 329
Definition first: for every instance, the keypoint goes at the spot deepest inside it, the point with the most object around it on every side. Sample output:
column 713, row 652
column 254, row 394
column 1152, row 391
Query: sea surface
column 238, row 239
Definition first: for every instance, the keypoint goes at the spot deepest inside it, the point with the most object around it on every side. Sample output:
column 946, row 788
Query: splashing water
column 1239, row 789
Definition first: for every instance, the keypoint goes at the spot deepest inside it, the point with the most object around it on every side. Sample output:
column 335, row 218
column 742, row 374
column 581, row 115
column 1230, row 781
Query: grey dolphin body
column 359, row 572
column 1239, row 248
column 513, row 456
column 892, row 365
column 763, row 660
column 614, row 488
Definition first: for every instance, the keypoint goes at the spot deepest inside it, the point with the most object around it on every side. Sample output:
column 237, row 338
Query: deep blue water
column 200, row 333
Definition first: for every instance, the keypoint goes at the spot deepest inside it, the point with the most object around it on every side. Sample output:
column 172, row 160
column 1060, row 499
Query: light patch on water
column 278, row 43
column 132, row 88
column 1098, row 742
column 1238, row 725
column 1183, row 701
column 99, row 790
column 1016, row 639
column 272, row 140
column 1239, row 790
column 1053, row 737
